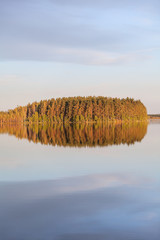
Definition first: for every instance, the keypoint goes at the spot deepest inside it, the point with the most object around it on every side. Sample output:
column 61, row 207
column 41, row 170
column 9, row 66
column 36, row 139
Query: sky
column 60, row 48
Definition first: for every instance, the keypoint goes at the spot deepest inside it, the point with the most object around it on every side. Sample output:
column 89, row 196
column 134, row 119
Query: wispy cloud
column 61, row 31
column 79, row 56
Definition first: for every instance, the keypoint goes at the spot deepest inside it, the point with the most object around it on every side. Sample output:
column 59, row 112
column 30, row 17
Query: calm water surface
column 81, row 182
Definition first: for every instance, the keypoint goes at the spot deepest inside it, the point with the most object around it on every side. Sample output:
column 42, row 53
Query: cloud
column 73, row 55
column 108, row 3
column 57, row 31
column 90, row 57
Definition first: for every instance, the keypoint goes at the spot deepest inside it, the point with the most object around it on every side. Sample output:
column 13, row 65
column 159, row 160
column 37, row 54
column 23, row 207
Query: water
column 81, row 182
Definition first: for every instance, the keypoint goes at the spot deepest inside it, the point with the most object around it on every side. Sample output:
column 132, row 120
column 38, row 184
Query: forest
column 77, row 109
column 79, row 135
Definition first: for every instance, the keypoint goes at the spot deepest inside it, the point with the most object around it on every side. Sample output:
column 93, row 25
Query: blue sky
column 57, row 48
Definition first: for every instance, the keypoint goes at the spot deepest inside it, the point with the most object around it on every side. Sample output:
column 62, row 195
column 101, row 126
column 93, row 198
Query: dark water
column 80, row 182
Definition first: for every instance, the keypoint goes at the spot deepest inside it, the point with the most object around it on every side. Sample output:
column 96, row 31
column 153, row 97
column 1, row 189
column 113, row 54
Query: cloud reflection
column 88, row 207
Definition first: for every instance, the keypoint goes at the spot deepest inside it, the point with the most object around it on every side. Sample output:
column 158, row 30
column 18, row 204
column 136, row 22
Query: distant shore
column 154, row 116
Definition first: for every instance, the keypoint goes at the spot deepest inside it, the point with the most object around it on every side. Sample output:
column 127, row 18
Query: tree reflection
column 79, row 135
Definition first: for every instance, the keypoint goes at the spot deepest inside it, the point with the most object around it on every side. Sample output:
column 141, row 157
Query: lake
column 82, row 182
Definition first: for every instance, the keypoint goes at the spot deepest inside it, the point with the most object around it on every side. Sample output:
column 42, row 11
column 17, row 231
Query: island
column 77, row 110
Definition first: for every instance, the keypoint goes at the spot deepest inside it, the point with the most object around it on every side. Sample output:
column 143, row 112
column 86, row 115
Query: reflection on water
column 90, row 193
column 79, row 135
column 99, row 207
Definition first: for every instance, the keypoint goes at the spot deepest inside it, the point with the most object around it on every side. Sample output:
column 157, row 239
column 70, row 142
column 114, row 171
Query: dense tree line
column 154, row 116
column 79, row 135
column 77, row 109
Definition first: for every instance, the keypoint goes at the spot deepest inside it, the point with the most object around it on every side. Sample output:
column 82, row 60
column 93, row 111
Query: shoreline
column 100, row 122
column 154, row 116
